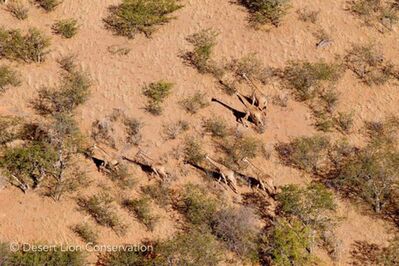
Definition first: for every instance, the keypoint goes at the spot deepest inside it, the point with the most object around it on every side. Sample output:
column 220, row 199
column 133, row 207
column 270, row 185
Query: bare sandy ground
column 117, row 82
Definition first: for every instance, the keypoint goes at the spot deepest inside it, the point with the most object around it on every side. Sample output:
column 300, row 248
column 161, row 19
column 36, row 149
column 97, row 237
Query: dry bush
column 30, row 47
column 86, row 233
column 133, row 130
column 156, row 93
column 216, row 126
column 369, row 65
column 344, row 121
column 18, row 9
column 308, row 15
column 141, row 209
column 194, row 103
column 100, row 207
column 237, row 229
column 137, row 16
column 305, row 153
column 121, row 175
column 67, row 28
column 8, row 78
column 201, row 57
column 306, row 78
column 68, row 63
column 173, row 130
column 265, row 11
column 48, row 5
column 364, row 253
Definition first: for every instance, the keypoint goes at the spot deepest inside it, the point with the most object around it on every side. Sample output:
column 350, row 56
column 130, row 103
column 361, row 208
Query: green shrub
column 312, row 204
column 142, row 210
column 10, row 129
column 125, row 257
column 29, row 164
column 198, row 206
column 307, row 15
column 204, row 43
column 48, row 5
column 72, row 92
column 305, row 78
column 67, row 28
column 216, row 126
column 194, row 103
column 238, row 148
column 304, row 152
column 159, row 192
column 86, row 232
column 138, row 16
column 31, row 47
column 54, row 257
column 368, row 64
column 156, row 92
column 371, row 174
column 8, row 78
column 121, row 175
column 18, row 9
column 288, row 243
column 193, row 152
column 266, row 11
column 191, row 249
column 100, row 208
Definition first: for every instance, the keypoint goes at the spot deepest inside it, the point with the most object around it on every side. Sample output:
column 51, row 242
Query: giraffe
column 251, row 112
column 258, row 98
column 270, row 187
column 157, row 168
column 226, row 174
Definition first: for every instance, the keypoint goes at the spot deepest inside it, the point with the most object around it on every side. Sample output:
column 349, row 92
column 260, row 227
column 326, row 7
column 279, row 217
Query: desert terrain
column 119, row 68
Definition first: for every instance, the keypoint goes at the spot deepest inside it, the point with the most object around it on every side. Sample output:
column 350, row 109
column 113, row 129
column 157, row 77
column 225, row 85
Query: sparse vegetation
column 239, row 147
column 306, row 153
column 251, row 67
column 194, row 103
column 86, row 232
column 8, row 78
column 142, row 210
column 344, row 121
column 137, row 16
column 156, row 93
column 10, row 129
column 201, row 57
column 31, row 47
column 67, row 28
column 266, row 11
column 101, row 209
column 369, row 65
column 18, row 9
column 375, row 11
column 133, row 128
column 48, row 5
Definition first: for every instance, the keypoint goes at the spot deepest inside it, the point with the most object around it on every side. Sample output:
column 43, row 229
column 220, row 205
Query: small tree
column 137, row 16
column 142, row 210
column 48, row 5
